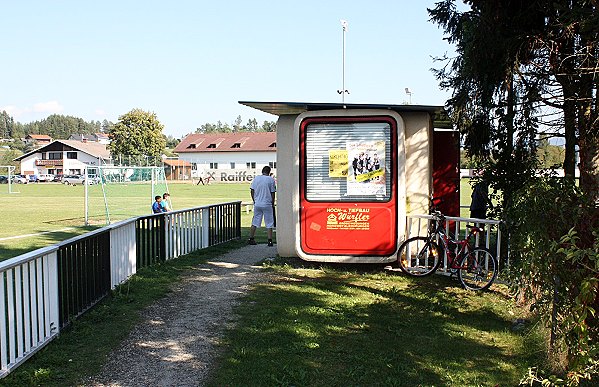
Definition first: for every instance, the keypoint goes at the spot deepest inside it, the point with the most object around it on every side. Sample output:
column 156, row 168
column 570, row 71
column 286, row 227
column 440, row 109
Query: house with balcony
column 68, row 157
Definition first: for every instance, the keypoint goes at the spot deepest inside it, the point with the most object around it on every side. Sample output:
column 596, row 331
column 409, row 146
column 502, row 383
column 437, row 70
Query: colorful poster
column 338, row 163
column 366, row 174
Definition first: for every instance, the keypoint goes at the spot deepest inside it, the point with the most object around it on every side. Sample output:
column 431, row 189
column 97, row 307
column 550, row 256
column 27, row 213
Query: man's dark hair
column 157, row 197
column 266, row 170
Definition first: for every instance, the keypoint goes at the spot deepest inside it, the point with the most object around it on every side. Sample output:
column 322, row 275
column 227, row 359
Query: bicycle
column 419, row 256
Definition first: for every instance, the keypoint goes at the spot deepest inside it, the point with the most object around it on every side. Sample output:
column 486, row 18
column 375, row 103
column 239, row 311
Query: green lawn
column 324, row 326
column 312, row 325
column 42, row 207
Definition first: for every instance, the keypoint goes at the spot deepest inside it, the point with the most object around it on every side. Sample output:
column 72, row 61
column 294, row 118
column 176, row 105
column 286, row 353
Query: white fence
column 43, row 291
column 491, row 239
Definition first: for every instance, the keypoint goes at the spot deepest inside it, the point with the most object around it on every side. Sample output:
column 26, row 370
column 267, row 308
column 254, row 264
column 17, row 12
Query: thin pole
column 343, row 61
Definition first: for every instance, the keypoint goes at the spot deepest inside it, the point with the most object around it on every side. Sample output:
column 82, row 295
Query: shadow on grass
column 382, row 330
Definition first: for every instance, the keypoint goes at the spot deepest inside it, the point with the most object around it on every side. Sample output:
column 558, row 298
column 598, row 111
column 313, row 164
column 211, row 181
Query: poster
column 366, row 172
column 338, row 164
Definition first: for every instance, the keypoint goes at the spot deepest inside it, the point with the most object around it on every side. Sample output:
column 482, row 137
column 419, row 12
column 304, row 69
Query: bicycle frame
column 454, row 248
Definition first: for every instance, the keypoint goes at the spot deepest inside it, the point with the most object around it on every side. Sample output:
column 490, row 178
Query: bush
column 555, row 264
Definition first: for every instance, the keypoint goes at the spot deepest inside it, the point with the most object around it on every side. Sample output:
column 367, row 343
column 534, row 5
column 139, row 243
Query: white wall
column 225, row 158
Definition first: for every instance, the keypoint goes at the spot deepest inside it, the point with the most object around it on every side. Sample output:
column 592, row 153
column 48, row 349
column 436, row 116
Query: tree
column 269, row 126
column 137, row 133
column 527, row 70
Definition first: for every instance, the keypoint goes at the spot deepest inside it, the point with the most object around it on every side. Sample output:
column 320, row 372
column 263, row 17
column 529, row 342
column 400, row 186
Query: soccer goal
column 116, row 193
column 6, row 174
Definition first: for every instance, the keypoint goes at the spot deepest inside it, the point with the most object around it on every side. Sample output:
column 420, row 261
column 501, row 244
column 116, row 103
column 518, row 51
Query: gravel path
column 175, row 344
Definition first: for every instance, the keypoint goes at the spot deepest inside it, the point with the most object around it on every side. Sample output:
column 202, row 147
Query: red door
column 446, row 172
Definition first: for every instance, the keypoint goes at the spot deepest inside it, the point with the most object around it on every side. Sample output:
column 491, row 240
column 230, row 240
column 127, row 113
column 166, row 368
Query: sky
column 190, row 62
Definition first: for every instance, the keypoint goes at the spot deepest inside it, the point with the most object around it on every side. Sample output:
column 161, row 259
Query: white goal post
column 114, row 193
column 10, row 169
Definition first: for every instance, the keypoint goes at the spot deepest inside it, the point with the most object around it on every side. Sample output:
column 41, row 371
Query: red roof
column 229, row 142
column 40, row 137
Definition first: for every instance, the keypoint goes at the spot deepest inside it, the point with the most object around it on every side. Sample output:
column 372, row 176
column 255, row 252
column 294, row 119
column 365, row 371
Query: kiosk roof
column 439, row 114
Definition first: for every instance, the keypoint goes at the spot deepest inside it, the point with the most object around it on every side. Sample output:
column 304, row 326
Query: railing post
column 52, row 292
column 205, row 227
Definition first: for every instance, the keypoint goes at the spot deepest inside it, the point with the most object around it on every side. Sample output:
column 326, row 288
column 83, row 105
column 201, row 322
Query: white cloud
column 100, row 112
column 48, row 107
column 14, row 111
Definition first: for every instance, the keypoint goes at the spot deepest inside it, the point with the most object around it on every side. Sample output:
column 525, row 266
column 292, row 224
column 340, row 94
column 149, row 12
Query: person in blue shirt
column 157, row 206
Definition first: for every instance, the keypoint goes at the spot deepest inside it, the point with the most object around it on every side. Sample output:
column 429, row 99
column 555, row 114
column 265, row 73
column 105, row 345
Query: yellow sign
column 370, row 175
column 348, row 219
column 338, row 163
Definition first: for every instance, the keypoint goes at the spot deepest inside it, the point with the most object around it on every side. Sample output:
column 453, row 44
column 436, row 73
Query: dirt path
column 175, row 344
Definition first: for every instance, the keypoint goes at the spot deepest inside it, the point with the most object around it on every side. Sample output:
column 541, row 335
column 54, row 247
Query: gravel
column 175, row 345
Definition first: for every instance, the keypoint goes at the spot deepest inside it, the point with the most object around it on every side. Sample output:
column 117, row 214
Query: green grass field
column 58, row 210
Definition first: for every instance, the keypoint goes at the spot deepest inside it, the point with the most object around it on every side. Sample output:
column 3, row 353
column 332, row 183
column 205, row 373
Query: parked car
column 57, row 178
column 3, row 179
column 46, row 177
column 33, row 178
column 77, row 179
column 20, row 179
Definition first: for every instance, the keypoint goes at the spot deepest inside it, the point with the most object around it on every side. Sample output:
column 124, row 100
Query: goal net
column 116, row 193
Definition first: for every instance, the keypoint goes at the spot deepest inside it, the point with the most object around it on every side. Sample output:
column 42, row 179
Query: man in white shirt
column 263, row 190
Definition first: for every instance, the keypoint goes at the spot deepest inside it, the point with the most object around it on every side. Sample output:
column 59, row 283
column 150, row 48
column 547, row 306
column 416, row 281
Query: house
column 177, row 169
column 39, row 139
column 95, row 137
column 229, row 157
column 68, row 157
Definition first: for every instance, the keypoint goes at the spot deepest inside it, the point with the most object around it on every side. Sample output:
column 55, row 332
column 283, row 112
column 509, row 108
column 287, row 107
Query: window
column 273, row 145
column 212, row 146
column 194, row 166
column 72, row 155
column 236, row 145
column 54, row 155
column 213, row 165
column 364, row 169
column 191, row 146
column 232, row 165
column 251, row 165
column 272, row 164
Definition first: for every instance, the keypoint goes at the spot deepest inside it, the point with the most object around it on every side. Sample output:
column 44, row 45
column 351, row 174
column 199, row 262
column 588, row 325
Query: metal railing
column 43, row 291
column 455, row 226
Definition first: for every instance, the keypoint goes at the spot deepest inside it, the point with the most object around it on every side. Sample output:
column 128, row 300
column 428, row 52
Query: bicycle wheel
column 418, row 257
column 478, row 269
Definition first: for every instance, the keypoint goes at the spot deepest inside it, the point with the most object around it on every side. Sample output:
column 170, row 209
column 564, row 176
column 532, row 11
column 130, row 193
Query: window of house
column 232, row 165
column 362, row 168
column 213, row 165
column 273, row 145
column 54, row 155
column 194, row 166
column 211, row 146
column 191, row 146
column 251, row 165
column 72, row 155
column 272, row 164
column 236, row 145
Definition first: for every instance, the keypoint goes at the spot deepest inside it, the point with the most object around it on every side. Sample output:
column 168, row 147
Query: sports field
column 44, row 213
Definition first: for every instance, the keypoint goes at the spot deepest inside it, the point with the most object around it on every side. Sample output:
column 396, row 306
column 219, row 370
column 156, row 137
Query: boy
column 157, row 207
column 165, row 202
